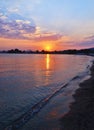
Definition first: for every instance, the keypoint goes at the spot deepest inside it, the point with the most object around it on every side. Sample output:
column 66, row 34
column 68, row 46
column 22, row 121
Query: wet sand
column 81, row 114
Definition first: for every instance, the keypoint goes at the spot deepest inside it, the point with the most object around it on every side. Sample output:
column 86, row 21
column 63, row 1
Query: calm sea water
column 26, row 79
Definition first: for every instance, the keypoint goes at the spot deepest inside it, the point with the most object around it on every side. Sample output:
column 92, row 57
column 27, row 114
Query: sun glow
column 48, row 47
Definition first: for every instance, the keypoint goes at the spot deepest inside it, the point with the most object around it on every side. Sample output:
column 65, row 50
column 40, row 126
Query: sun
column 48, row 48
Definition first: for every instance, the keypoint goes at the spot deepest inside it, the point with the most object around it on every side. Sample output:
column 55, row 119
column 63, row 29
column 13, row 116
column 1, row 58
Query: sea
column 36, row 89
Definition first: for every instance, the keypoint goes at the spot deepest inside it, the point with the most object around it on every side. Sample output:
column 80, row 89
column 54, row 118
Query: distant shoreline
column 89, row 51
column 81, row 114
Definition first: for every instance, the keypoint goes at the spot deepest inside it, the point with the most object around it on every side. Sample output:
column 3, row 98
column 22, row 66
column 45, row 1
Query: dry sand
column 81, row 114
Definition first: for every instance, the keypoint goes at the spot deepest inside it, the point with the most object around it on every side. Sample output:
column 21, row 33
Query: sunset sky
column 46, row 24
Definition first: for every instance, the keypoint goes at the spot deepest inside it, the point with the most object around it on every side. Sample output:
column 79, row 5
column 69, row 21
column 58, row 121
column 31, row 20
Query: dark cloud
column 90, row 37
column 88, row 41
column 15, row 26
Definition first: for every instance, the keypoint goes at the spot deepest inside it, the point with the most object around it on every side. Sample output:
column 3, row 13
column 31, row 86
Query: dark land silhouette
column 89, row 51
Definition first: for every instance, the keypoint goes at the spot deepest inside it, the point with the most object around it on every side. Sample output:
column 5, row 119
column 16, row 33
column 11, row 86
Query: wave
column 74, row 78
column 33, row 110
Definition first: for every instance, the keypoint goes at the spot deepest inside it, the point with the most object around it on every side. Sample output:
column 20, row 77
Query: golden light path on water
column 48, row 67
column 47, row 61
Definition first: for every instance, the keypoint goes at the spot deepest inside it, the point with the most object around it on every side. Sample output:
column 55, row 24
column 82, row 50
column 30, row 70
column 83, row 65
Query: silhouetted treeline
column 72, row 51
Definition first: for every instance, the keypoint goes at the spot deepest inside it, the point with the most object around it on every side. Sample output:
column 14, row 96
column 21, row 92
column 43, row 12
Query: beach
column 81, row 114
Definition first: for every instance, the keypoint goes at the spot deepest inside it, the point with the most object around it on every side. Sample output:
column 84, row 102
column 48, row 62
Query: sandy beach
column 81, row 114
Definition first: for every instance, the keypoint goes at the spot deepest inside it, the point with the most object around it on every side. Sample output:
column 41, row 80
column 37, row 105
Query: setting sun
column 48, row 48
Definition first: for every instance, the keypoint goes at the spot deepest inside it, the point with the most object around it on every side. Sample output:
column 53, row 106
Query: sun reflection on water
column 48, row 67
column 47, row 61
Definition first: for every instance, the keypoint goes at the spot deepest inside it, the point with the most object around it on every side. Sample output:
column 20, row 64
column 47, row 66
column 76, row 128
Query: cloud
column 14, row 25
column 88, row 41
column 13, row 10
column 91, row 37
column 47, row 37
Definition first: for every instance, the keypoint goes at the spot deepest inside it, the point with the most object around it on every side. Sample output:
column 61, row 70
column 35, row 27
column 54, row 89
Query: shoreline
column 81, row 114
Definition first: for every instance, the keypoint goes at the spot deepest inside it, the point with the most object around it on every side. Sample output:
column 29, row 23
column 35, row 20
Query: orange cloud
column 46, row 41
